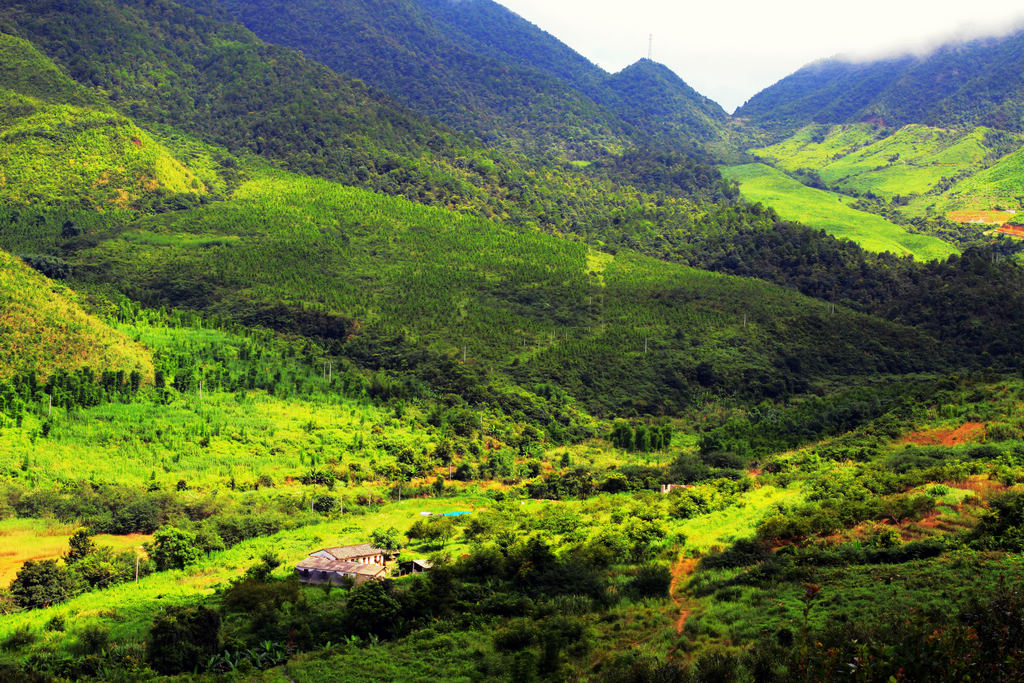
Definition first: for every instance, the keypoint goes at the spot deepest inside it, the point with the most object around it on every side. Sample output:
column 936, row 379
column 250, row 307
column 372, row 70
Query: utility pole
column 650, row 47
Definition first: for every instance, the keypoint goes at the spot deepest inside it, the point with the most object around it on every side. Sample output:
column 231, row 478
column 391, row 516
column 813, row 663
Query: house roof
column 422, row 564
column 346, row 552
column 325, row 565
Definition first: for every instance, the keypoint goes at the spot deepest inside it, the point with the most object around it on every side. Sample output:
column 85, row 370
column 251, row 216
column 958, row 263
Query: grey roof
column 325, row 565
column 347, row 552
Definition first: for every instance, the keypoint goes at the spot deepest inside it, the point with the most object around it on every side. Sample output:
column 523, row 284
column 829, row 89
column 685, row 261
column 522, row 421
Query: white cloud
column 731, row 50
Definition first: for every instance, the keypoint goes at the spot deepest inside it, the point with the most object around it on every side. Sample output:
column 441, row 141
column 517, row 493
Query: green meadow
column 828, row 211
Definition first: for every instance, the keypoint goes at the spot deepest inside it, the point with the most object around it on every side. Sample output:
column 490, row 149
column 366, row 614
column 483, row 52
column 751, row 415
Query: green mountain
column 963, row 84
column 924, row 140
column 221, row 84
column 483, row 69
column 653, row 99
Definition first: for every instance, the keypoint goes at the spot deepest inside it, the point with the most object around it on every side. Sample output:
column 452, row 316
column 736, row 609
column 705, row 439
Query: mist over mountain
column 960, row 84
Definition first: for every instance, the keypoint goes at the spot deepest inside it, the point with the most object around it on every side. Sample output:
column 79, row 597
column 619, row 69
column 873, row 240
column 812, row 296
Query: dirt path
column 681, row 571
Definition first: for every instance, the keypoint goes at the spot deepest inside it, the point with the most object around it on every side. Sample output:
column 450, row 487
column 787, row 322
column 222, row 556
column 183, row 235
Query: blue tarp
column 457, row 514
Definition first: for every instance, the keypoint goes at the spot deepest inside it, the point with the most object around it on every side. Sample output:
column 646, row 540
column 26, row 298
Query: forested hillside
column 496, row 317
column 485, row 70
column 62, row 146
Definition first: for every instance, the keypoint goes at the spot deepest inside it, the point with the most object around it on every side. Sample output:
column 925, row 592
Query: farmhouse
column 320, row 571
column 363, row 553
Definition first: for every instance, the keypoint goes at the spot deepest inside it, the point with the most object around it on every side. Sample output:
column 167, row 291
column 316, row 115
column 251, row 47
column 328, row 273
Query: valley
column 650, row 392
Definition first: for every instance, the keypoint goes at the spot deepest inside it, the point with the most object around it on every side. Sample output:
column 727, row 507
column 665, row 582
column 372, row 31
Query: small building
column 414, row 567
column 321, row 571
column 669, row 488
column 363, row 553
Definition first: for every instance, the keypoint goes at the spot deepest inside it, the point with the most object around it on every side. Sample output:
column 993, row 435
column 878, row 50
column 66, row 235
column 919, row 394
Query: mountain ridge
column 961, row 83
column 517, row 82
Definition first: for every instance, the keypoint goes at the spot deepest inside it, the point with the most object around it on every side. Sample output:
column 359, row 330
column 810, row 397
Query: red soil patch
column 1012, row 231
column 970, row 431
column 986, row 217
column 982, row 487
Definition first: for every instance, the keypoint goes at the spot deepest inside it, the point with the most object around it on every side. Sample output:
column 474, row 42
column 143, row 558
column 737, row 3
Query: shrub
column 173, row 548
column 1003, row 527
column 650, row 581
column 182, row 639
column 92, row 640
column 44, row 583
column 18, row 639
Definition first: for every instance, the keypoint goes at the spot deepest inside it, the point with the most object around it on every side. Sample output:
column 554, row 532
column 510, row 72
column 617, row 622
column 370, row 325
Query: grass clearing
column 737, row 522
column 828, row 211
column 22, row 540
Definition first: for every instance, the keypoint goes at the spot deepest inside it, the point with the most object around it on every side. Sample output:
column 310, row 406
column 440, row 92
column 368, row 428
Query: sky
column 731, row 49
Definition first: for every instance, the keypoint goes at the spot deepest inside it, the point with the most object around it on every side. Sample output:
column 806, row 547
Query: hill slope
column 613, row 330
column 43, row 329
column 60, row 145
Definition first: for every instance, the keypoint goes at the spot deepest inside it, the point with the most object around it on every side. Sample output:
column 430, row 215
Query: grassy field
column 938, row 170
column 39, row 539
column 719, row 529
column 826, row 210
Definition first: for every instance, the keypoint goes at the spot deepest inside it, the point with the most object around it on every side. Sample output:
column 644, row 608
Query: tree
column 183, row 639
column 44, row 583
column 372, row 609
column 387, row 540
column 324, row 504
column 435, row 529
column 69, row 230
column 99, row 570
column 173, row 548
column 80, row 546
